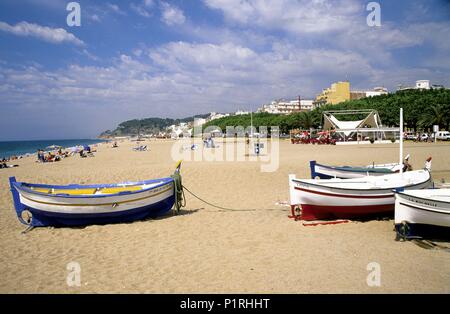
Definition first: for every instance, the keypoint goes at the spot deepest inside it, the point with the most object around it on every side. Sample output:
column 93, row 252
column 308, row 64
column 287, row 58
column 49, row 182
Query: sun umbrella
column 54, row 146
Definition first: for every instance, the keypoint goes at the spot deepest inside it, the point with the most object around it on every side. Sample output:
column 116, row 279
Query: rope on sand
column 224, row 208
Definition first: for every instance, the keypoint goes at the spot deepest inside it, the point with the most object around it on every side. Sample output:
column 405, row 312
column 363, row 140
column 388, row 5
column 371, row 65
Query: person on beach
column 40, row 156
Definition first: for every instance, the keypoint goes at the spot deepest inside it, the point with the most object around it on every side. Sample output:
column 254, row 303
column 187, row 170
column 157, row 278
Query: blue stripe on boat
column 26, row 187
column 45, row 218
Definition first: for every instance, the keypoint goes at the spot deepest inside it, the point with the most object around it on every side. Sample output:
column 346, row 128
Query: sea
column 20, row 148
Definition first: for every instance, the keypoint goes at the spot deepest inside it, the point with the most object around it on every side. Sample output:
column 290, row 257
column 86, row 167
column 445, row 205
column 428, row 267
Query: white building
column 241, row 112
column 306, row 104
column 177, row 131
column 423, row 84
column 287, row 106
column 215, row 115
column 420, row 84
column 199, row 122
column 377, row 91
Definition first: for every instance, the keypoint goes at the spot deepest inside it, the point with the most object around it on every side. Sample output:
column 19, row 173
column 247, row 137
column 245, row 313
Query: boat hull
column 318, row 201
column 61, row 210
column 45, row 218
column 416, row 216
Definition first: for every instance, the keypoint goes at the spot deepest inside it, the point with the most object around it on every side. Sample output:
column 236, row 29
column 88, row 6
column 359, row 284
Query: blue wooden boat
column 71, row 205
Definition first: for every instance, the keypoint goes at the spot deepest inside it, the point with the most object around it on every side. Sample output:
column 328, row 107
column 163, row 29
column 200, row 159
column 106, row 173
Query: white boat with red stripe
column 352, row 198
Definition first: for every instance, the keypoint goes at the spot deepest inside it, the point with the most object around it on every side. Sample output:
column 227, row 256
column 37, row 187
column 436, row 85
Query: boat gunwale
column 354, row 169
column 358, row 190
column 425, row 209
column 23, row 186
column 421, row 198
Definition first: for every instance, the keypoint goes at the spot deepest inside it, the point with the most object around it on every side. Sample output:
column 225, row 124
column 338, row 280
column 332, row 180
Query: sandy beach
column 205, row 249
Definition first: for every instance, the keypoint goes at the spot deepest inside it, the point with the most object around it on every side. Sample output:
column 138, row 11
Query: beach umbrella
column 53, row 146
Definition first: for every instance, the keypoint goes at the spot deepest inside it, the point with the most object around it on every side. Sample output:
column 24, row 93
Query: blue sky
column 143, row 58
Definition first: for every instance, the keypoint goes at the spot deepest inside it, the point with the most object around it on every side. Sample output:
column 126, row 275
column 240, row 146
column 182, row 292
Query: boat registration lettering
column 423, row 202
column 157, row 190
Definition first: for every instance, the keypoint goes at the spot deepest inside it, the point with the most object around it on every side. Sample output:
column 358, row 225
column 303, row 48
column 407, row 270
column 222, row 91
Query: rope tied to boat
column 224, row 208
column 402, row 231
column 180, row 200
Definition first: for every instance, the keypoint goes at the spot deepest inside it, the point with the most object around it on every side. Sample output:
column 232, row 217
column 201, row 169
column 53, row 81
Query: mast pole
column 401, row 141
column 251, row 123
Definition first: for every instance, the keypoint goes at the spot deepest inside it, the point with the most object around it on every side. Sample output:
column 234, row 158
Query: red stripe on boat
column 321, row 212
column 347, row 196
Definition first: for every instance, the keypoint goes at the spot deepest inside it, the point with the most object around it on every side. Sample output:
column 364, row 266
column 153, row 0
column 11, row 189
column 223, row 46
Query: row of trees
column 422, row 109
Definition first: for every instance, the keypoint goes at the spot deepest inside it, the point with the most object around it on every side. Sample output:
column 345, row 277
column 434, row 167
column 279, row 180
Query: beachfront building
column 377, row 91
column 282, row 106
column 178, row 131
column 338, row 92
column 420, row 84
column 241, row 113
column 307, row 104
column 199, row 122
column 423, row 84
column 215, row 115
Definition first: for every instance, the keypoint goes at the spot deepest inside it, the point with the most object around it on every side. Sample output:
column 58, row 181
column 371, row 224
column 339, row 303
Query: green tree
column 435, row 115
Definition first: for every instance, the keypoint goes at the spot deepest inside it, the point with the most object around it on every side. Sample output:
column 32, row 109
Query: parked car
column 443, row 135
column 410, row 136
column 424, row 137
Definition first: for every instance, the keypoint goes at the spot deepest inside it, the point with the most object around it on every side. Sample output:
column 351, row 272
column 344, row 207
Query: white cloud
column 171, row 15
column 148, row 3
column 53, row 35
column 297, row 16
column 198, row 56
column 94, row 17
column 181, row 79
column 115, row 8
column 89, row 55
column 142, row 8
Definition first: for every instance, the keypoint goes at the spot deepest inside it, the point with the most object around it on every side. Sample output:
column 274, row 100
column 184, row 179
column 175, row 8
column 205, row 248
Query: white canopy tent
column 348, row 128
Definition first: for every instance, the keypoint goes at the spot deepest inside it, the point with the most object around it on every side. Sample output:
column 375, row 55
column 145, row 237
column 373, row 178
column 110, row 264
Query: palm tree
column 306, row 119
column 435, row 115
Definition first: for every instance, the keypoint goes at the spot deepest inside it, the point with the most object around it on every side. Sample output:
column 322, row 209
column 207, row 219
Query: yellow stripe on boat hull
column 102, row 204
column 89, row 191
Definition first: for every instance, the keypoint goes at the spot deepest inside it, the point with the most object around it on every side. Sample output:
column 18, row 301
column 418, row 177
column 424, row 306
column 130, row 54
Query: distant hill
column 146, row 126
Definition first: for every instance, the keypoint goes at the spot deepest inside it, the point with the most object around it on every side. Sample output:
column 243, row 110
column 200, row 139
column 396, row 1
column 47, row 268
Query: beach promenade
column 204, row 249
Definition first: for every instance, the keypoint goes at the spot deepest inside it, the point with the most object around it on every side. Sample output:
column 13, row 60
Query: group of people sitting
column 86, row 152
column 3, row 164
column 51, row 156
